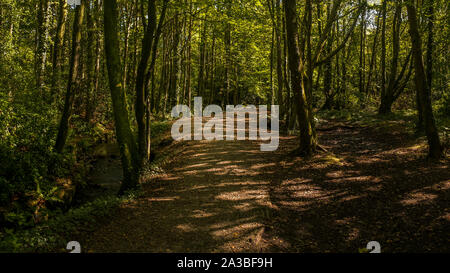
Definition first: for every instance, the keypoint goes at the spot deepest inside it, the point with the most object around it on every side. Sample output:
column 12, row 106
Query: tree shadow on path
column 224, row 196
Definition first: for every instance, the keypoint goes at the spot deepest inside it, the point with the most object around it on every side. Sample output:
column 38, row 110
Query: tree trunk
column 58, row 45
column 228, row 52
column 387, row 98
column 90, row 60
column 429, row 56
column 279, row 58
column 140, row 81
column 189, row 57
column 41, row 43
column 201, row 70
column 424, row 93
column 272, row 89
column 73, row 77
column 373, row 55
column 383, row 56
column 308, row 141
column 127, row 144
column 362, row 53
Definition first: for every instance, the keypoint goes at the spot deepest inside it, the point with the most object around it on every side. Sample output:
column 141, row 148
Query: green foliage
column 443, row 105
column 28, row 162
column 51, row 235
column 158, row 128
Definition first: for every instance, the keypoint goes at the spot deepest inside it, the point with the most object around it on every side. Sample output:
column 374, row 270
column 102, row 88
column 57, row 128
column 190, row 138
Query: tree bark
column 373, row 55
column 383, row 53
column 424, row 93
column 308, row 141
column 127, row 144
column 58, row 45
column 41, row 43
column 140, row 82
column 387, row 98
column 73, row 77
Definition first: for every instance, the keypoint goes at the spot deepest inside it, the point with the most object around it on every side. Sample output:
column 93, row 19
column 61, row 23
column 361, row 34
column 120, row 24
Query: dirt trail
column 215, row 199
column 227, row 196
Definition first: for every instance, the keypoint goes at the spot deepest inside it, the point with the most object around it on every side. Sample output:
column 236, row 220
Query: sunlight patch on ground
column 242, row 195
column 353, row 197
column 186, row 228
column 354, row 179
column 246, row 206
column 192, row 166
column 236, row 231
column 202, row 214
column 296, row 181
column 418, row 146
column 261, row 166
column 303, row 191
column 296, row 205
column 331, row 159
column 249, row 242
column 225, row 224
column 242, row 183
column 445, row 185
column 170, row 178
column 162, row 199
column 418, row 197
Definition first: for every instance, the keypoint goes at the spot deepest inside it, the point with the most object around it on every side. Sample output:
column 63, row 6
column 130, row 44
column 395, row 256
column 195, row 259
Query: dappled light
column 223, row 126
column 220, row 197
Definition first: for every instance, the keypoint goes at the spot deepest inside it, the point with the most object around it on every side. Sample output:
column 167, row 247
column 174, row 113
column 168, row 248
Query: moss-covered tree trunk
column 422, row 88
column 308, row 140
column 127, row 144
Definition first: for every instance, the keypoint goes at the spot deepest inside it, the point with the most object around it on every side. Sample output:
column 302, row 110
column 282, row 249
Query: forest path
column 215, row 199
column 228, row 196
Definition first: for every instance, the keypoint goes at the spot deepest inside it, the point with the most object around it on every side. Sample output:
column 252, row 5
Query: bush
column 29, row 165
column 51, row 235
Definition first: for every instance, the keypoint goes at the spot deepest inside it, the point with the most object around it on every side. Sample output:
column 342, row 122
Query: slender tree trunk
column 383, row 54
column 73, row 78
column 90, row 79
column 272, row 89
column 129, row 13
column 41, row 43
column 279, row 58
column 98, row 64
column 287, row 79
column 362, row 53
column 175, row 87
column 424, row 93
column 151, row 73
column 140, row 81
column 202, row 49
column 213, row 73
column 387, row 98
column 328, row 77
column 373, row 55
column 228, row 52
column 189, row 57
column 58, row 45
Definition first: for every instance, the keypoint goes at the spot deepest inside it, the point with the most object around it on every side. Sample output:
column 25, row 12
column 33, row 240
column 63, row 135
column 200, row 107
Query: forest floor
column 373, row 184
